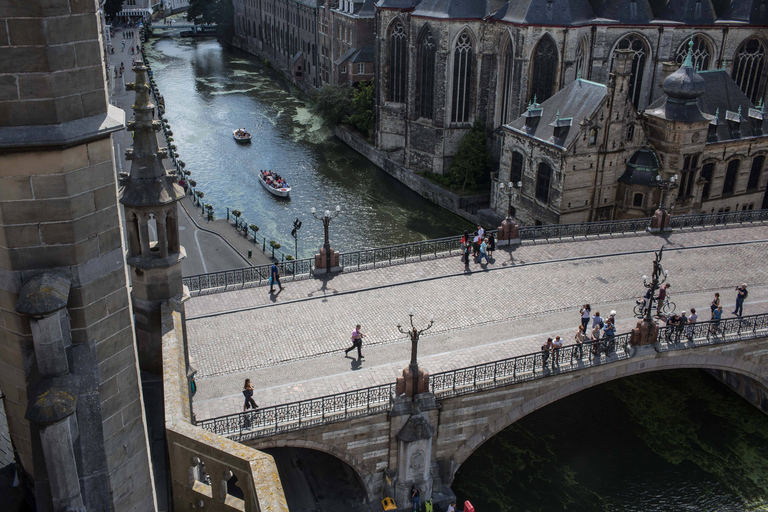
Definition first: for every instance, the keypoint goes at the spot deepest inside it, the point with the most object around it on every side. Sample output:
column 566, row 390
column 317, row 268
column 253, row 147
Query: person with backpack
column 741, row 294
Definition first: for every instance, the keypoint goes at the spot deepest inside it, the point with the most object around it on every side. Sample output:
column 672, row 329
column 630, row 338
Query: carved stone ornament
column 416, row 428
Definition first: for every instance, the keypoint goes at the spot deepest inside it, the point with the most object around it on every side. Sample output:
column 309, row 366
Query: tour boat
column 267, row 182
column 241, row 135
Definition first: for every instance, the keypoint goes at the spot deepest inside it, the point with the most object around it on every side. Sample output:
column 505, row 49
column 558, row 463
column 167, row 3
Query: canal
column 209, row 91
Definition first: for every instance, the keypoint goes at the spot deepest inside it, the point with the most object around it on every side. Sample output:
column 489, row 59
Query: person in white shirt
column 480, row 231
column 452, row 507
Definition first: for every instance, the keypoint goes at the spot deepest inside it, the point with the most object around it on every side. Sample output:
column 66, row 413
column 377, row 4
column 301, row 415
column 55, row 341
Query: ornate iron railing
column 445, row 247
column 353, row 404
column 304, row 414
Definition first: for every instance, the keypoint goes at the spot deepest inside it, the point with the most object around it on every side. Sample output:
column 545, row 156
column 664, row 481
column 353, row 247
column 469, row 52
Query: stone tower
column 68, row 361
column 149, row 196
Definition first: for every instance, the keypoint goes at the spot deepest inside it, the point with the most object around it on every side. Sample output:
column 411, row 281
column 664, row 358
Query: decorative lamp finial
column 739, row 110
column 688, row 62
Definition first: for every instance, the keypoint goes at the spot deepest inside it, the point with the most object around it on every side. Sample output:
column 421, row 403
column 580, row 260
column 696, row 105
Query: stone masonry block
column 15, row 322
column 14, row 188
column 81, row 318
column 77, row 80
column 33, row 86
column 61, row 56
column 115, row 301
column 45, row 162
column 66, row 29
column 7, row 301
column 100, row 151
column 23, row 236
column 21, row 113
column 9, row 87
column 57, row 233
column 88, row 53
column 68, row 108
column 94, row 102
column 108, row 389
column 110, row 240
column 29, row 258
column 102, row 330
column 50, row 186
column 97, row 289
column 3, row 35
column 25, row 31
column 91, row 178
column 106, row 196
column 81, row 6
column 48, row 210
column 24, row 59
column 87, row 250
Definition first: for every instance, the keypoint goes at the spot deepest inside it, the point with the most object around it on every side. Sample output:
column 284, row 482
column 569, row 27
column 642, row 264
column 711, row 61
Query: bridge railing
column 304, row 414
column 353, row 404
column 448, row 246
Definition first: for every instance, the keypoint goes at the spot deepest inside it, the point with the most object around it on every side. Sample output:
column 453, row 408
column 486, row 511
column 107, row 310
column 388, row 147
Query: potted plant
column 193, row 183
column 274, row 245
column 236, row 214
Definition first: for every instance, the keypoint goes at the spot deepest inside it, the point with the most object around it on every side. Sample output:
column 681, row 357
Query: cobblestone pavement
column 290, row 346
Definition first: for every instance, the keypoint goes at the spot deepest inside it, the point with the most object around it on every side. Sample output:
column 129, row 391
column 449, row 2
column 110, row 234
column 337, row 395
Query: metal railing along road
column 449, row 246
column 353, row 404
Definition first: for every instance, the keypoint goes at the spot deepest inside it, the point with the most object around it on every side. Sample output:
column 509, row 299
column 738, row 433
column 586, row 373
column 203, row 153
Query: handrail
column 353, row 404
column 448, row 246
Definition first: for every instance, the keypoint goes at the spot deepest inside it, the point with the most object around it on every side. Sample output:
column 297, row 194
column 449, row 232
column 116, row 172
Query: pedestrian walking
column 661, row 298
column 483, row 252
column 123, row 48
column 580, row 338
column 274, row 278
column 597, row 320
column 357, row 342
column 480, row 231
column 586, row 313
column 248, row 394
column 691, row 323
column 476, row 246
column 741, row 294
column 464, row 248
column 491, row 244
column 416, row 499
column 716, row 316
column 556, row 346
column 714, row 305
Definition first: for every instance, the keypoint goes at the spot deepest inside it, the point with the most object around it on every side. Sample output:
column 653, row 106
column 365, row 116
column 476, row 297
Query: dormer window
column 593, row 136
column 734, row 123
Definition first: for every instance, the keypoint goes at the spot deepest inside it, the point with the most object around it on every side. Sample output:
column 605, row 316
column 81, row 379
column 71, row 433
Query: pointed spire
column 761, row 106
column 534, row 100
column 717, row 114
column 739, row 110
column 688, row 62
column 557, row 115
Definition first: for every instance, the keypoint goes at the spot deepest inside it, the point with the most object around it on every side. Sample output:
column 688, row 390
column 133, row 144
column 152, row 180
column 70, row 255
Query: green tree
column 112, row 7
column 209, row 12
column 364, row 109
column 472, row 160
column 333, row 103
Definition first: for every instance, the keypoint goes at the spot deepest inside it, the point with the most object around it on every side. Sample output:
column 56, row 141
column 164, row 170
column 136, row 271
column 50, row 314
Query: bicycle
column 667, row 308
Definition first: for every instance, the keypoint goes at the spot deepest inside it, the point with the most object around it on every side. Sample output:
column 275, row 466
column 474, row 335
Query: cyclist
column 661, row 298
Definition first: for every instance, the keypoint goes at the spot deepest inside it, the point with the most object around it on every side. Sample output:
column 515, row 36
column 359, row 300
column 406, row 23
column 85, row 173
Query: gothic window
column 637, row 200
column 636, row 44
column 700, row 53
column 462, row 79
column 581, row 58
column 425, row 85
column 516, row 174
column 688, row 174
column 748, row 67
column 630, row 132
column 398, row 65
column 506, row 73
column 706, row 174
column 730, row 177
column 754, row 173
column 543, row 179
column 544, row 69
column 593, row 136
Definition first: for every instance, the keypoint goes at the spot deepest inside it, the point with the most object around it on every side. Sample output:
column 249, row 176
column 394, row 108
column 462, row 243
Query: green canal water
column 662, row 441
column 209, row 91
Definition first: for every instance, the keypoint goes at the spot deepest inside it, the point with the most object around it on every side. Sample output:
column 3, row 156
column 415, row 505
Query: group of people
column 242, row 132
column 273, row 179
column 479, row 245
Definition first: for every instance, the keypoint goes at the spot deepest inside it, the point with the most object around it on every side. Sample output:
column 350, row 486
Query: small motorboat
column 242, row 136
column 274, row 183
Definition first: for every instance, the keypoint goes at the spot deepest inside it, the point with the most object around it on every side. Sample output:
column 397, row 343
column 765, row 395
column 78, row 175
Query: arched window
column 706, row 174
column 636, row 44
column 425, row 84
column 543, row 179
column 506, row 74
column 516, row 174
column 592, row 136
column 748, row 67
column 462, row 79
column 754, row 173
column 398, row 65
column 730, row 177
column 544, row 72
column 581, row 58
column 688, row 174
column 701, row 52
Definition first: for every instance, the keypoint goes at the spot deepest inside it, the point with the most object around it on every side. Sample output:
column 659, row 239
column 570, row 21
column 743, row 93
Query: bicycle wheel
column 638, row 310
column 670, row 307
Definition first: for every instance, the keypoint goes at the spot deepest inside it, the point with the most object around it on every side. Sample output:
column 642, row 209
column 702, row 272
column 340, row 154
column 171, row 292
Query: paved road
column 291, row 345
column 206, row 251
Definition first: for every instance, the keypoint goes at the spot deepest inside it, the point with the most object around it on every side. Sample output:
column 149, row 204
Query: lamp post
column 661, row 218
column 414, row 334
column 658, row 278
column 510, row 187
column 326, row 220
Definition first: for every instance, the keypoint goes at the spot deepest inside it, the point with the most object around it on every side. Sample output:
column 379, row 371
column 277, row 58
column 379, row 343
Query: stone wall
column 202, row 463
column 751, row 390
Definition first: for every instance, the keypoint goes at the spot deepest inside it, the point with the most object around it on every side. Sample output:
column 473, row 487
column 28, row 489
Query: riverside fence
column 363, row 402
column 445, row 247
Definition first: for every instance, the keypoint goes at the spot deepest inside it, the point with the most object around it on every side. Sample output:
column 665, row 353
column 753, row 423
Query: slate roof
column 754, row 12
column 642, row 168
column 368, row 10
column 578, row 101
column 689, row 12
column 623, row 11
column 453, row 9
column 722, row 95
column 544, row 12
column 397, row 4
column 365, row 54
column 346, row 55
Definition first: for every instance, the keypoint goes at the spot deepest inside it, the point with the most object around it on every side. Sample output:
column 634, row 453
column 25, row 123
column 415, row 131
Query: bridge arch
column 566, row 385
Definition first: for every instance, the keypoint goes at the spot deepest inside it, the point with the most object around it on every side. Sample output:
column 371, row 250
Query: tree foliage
column 112, row 7
column 472, row 160
column 209, row 12
column 333, row 103
column 364, row 114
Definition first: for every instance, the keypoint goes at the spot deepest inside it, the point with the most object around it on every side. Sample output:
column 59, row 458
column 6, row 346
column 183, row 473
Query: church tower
column 149, row 196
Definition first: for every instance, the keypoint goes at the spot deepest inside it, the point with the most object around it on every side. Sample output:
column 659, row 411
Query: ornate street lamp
column 658, row 278
column 414, row 334
column 660, row 220
column 511, row 188
column 326, row 220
